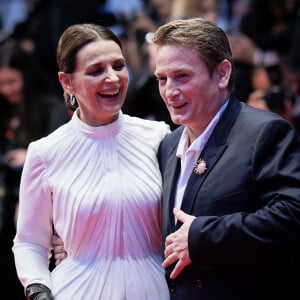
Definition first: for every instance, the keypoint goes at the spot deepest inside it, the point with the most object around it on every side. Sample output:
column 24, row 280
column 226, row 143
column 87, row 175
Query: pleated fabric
column 101, row 189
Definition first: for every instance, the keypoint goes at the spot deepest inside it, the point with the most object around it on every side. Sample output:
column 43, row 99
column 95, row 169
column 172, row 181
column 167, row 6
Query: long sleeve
column 34, row 225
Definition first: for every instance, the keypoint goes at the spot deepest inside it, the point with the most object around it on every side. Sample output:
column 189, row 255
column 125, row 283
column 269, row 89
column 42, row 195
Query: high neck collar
column 102, row 132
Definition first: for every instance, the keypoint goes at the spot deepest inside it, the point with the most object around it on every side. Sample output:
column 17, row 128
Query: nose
column 171, row 89
column 111, row 75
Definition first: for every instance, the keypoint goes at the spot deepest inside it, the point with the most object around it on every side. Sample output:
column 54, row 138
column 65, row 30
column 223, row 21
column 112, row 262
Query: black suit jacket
column 244, row 243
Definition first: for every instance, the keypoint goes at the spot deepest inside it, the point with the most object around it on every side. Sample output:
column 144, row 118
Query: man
column 234, row 172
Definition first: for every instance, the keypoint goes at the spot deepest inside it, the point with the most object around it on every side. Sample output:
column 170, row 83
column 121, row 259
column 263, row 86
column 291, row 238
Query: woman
column 96, row 181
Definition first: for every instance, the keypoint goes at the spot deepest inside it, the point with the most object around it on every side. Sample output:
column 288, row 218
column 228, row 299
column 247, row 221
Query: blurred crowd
column 264, row 36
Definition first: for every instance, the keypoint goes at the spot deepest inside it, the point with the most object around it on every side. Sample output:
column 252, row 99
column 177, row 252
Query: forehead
column 169, row 57
column 97, row 52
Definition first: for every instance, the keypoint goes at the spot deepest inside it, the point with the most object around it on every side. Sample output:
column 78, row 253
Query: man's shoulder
column 174, row 136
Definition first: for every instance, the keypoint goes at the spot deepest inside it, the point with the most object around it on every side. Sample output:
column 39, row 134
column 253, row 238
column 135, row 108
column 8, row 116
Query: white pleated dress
column 100, row 187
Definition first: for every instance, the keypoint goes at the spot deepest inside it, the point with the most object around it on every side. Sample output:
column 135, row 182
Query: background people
column 96, row 181
column 29, row 109
column 275, row 99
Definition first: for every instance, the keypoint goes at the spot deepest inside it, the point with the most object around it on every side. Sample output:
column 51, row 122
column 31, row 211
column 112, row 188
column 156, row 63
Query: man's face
column 191, row 94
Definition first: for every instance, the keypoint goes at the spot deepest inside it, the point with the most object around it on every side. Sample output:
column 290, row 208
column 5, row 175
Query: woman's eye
column 119, row 67
column 96, row 72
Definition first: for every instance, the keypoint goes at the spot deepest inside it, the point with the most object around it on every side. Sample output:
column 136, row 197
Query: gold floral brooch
column 200, row 167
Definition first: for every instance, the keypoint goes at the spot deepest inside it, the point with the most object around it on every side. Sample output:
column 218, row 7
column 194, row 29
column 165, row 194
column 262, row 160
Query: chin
column 177, row 120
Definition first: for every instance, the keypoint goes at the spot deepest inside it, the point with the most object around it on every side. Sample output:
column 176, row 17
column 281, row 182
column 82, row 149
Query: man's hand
column 58, row 249
column 176, row 245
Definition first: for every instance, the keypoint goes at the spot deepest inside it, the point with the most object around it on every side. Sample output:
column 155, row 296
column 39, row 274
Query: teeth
column 110, row 93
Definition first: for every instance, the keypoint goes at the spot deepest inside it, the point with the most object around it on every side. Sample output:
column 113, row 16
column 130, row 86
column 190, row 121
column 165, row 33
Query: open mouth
column 108, row 95
column 176, row 107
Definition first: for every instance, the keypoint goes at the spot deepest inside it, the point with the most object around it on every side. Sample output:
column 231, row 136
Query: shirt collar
column 199, row 143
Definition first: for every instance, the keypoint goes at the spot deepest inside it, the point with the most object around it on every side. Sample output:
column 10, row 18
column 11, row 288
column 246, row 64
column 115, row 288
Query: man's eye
column 161, row 79
column 182, row 76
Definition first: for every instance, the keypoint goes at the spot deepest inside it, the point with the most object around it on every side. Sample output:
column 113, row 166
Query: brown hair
column 201, row 35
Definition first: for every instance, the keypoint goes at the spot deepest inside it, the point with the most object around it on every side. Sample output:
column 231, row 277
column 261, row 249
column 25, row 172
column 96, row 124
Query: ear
column 66, row 82
column 223, row 72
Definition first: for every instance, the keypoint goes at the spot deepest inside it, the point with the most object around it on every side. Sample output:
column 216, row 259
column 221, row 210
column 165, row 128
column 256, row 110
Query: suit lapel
column 172, row 173
column 210, row 155
column 170, row 177
column 212, row 151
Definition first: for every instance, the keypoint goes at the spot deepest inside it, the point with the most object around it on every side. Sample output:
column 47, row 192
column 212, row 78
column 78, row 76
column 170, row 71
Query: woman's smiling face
column 99, row 82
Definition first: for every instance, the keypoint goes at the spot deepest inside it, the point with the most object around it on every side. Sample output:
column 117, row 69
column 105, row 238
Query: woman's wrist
column 37, row 291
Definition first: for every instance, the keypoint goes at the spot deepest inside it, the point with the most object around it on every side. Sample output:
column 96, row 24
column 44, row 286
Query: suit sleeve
column 272, row 230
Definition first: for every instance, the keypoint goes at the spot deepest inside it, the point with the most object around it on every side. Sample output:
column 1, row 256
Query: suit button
column 199, row 283
column 172, row 286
